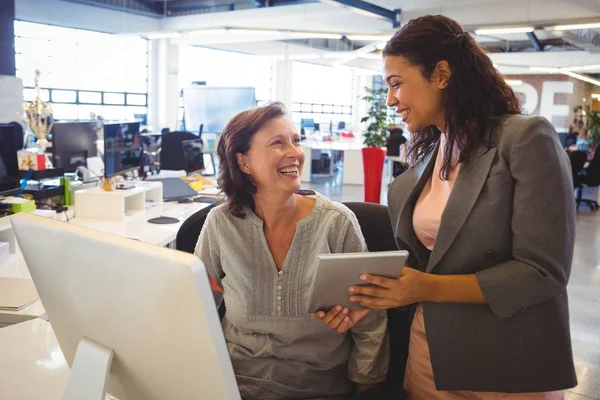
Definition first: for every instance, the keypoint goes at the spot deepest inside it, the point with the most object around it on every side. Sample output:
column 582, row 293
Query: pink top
column 432, row 201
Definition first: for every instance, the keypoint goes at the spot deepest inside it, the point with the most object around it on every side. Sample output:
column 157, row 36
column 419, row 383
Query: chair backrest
column 376, row 227
column 375, row 224
column 171, row 157
column 189, row 232
column 592, row 172
column 578, row 159
column 341, row 125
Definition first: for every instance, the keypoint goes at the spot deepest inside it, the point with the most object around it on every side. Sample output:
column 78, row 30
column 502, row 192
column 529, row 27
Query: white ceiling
column 325, row 17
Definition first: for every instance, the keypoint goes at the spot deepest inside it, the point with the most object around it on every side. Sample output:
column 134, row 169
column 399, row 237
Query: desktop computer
column 134, row 320
column 73, row 143
column 122, row 148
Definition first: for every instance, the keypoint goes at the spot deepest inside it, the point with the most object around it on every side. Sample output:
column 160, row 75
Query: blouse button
column 278, row 308
column 278, row 298
column 280, row 273
column 278, row 287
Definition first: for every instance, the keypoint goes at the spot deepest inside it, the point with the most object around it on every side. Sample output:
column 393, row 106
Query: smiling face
column 275, row 158
column 417, row 100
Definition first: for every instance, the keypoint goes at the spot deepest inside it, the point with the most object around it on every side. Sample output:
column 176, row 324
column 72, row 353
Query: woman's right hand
column 341, row 318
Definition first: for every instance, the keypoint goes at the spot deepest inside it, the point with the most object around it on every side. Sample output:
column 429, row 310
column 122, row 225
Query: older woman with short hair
column 261, row 248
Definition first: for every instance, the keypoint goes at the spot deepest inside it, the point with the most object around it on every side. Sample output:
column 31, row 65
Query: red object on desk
column 347, row 135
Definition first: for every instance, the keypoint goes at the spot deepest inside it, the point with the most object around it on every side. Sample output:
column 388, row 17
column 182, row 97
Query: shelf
column 45, row 174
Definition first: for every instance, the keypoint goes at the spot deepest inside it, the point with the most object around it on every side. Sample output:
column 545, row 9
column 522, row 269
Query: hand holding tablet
column 337, row 272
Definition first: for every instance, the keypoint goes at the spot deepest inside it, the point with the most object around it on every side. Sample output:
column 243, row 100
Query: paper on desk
column 11, row 99
column 16, row 293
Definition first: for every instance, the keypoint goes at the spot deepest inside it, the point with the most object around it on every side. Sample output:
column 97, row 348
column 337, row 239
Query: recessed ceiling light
column 500, row 31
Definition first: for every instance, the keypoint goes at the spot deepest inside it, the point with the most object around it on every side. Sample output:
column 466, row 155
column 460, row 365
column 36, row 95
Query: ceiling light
column 581, row 77
column 254, row 32
column 164, row 35
column 500, row 31
column 374, row 38
column 549, row 70
column 582, row 68
column 380, row 46
column 314, row 35
column 304, row 56
column 576, row 26
column 208, row 32
column 514, row 82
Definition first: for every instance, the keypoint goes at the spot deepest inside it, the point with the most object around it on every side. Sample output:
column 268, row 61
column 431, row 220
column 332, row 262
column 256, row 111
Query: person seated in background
column 395, row 144
column 571, row 136
column 261, row 247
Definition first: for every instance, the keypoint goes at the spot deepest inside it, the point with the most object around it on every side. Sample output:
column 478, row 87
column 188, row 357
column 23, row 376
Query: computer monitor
column 73, row 143
column 11, row 141
column 193, row 158
column 149, row 307
column 122, row 148
column 307, row 123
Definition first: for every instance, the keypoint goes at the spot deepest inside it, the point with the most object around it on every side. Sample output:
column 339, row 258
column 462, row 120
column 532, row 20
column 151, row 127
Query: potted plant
column 593, row 130
column 375, row 140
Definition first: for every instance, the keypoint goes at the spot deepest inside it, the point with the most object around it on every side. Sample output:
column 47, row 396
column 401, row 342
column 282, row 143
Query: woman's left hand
column 411, row 287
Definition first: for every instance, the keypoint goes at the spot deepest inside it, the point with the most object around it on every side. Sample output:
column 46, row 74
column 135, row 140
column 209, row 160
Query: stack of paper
column 16, row 293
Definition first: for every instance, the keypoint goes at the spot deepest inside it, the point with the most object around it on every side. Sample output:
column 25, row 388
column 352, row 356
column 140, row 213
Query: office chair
column 171, row 156
column 376, row 226
column 589, row 176
column 189, row 232
column 341, row 125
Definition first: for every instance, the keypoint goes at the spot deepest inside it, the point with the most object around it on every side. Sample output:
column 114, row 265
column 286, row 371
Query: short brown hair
column 236, row 138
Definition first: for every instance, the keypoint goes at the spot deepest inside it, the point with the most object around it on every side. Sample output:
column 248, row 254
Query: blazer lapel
column 465, row 192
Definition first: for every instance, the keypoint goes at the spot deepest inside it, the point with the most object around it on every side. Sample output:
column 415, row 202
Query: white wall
column 74, row 15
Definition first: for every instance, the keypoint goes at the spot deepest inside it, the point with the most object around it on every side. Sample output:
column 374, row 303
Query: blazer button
column 490, row 255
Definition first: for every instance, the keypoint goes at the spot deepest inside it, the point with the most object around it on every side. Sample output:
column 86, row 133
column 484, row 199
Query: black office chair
column 171, row 156
column 341, row 125
column 376, row 227
column 589, row 176
column 189, row 232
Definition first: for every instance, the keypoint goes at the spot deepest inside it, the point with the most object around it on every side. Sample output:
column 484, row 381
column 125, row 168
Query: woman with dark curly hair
column 487, row 212
column 261, row 247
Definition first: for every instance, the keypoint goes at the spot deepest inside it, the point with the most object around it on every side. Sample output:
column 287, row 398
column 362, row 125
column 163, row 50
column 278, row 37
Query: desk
column 32, row 364
column 353, row 167
column 134, row 226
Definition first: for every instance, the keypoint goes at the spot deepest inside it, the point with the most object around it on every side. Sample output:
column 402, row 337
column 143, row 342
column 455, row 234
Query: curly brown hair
column 476, row 97
column 237, row 138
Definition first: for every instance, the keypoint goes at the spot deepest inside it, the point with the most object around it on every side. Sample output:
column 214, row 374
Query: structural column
column 7, row 37
column 163, row 90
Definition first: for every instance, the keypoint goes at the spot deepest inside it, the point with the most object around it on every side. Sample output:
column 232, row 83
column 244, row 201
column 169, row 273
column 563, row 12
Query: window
column 322, row 93
column 83, row 71
column 225, row 68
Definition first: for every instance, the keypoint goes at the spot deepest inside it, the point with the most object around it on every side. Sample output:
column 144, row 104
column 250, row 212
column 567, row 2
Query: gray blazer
column 510, row 220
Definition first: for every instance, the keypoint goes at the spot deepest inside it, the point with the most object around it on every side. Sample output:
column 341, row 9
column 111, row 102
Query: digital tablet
column 337, row 272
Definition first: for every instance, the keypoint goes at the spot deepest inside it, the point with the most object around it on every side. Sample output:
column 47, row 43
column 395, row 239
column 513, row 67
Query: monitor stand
column 89, row 371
